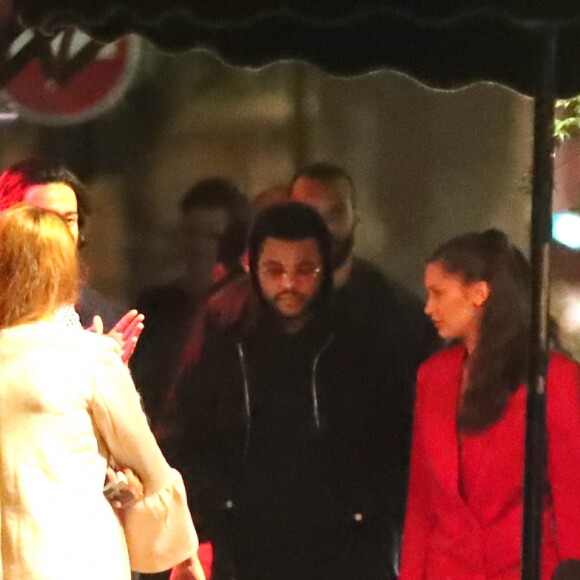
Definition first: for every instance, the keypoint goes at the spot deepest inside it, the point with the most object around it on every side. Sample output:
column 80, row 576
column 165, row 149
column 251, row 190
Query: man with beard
column 291, row 427
column 380, row 305
column 376, row 302
column 382, row 310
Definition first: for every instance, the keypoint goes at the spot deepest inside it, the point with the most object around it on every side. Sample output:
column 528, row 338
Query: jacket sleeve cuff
column 159, row 530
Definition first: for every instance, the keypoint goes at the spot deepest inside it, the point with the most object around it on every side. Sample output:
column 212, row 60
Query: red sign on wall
column 73, row 78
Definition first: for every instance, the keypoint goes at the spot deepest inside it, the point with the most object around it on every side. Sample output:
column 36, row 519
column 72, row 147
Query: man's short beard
column 272, row 306
column 307, row 306
column 341, row 250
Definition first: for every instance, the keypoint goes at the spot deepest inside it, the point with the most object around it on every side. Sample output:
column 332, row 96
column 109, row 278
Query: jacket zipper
column 246, row 387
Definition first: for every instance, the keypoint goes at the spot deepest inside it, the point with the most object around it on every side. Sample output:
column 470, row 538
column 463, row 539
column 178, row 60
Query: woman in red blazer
column 465, row 508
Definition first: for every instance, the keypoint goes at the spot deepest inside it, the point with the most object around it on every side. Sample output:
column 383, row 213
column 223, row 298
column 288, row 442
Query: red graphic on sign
column 51, row 89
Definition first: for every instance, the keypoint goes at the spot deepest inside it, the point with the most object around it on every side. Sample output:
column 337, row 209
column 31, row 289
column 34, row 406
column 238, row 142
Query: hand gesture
column 127, row 332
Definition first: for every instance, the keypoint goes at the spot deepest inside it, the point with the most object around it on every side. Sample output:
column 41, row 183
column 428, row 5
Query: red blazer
column 476, row 535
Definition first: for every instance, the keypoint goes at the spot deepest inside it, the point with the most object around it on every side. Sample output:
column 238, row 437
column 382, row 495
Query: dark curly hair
column 17, row 178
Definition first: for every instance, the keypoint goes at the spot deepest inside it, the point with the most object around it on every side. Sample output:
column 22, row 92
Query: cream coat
column 68, row 406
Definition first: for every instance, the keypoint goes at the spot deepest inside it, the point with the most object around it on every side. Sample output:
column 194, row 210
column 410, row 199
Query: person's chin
column 289, row 305
column 290, row 314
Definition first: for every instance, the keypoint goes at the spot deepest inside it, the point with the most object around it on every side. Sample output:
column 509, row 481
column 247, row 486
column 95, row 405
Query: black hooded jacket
column 300, row 436
column 294, row 447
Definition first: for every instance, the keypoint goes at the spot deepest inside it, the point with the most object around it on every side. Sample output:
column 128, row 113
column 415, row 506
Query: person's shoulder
column 237, row 285
column 442, row 359
column 229, row 302
column 367, row 275
column 437, row 375
column 364, row 269
column 77, row 344
column 90, row 343
column 394, row 304
column 97, row 352
column 560, row 362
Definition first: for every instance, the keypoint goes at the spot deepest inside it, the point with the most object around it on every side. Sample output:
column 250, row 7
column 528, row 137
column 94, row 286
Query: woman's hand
column 125, row 333
column 189, row 570
column 123, row 488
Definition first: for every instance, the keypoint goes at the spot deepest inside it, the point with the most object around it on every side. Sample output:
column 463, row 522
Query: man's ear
column 480, row 293
column 245, row 261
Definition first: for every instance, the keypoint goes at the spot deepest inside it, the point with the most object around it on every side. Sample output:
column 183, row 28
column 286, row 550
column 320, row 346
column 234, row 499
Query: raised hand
column 127, row 331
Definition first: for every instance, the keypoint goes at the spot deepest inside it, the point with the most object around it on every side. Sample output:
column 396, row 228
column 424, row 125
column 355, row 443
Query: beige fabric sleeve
column 158, row 529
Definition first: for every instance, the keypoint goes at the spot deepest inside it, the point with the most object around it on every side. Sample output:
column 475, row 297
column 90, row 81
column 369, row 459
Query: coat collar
column 443, row 438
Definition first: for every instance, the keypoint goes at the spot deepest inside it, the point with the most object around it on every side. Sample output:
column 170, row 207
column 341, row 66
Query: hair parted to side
column 16, row 180
column 39, row 269
column 499, row 363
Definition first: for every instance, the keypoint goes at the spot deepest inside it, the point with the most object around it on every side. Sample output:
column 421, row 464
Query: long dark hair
column 498, row 364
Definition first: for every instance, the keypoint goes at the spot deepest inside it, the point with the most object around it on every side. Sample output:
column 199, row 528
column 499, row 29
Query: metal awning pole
column 541, row 236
